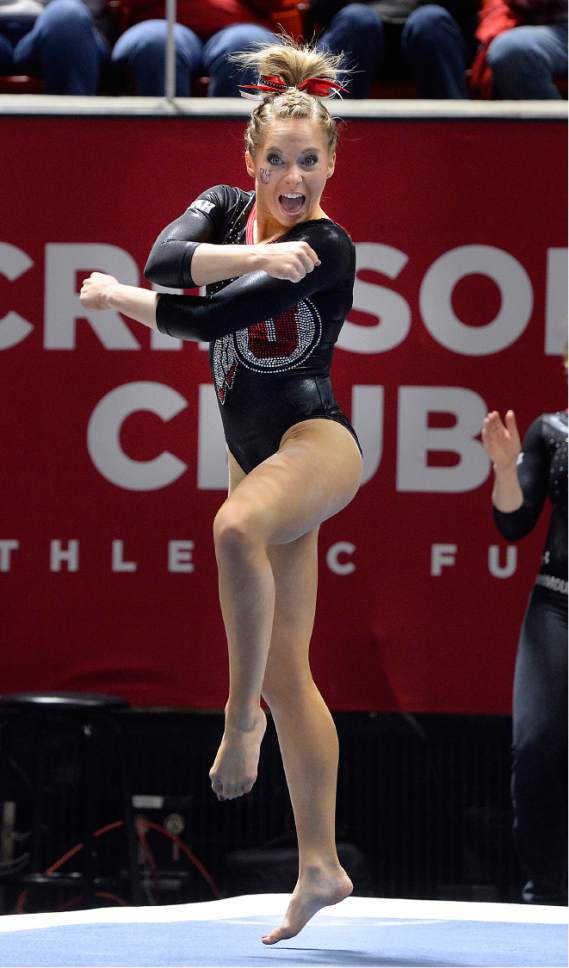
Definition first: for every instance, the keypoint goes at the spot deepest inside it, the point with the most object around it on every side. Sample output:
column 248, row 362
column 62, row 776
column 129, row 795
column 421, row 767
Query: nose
column 294, row 176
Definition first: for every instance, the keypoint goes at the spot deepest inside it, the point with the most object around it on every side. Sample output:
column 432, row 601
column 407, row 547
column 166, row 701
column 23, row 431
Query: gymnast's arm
column 247, row 300
column 170, row 260
column 532, row 474
column 187, row 253
column 257, row 295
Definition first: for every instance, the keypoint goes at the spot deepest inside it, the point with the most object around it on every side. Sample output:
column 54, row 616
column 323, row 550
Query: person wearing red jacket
column 523, row 49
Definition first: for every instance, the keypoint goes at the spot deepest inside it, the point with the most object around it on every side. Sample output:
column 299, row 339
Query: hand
column 95, row 290
column 501, row 442
column 287, row 260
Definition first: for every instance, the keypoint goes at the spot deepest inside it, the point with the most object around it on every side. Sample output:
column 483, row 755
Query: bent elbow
column 154, row 270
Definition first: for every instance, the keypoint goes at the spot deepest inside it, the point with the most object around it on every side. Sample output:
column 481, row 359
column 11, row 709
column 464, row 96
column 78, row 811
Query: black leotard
column 539, row 748
column 542, row 471
column 271, row 341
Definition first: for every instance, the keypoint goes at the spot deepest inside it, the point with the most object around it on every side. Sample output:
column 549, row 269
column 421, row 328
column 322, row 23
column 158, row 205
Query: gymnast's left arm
column 101, row 291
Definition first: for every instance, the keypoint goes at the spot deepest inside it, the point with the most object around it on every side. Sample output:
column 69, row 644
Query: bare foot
column 315, row 889
column 234, row 769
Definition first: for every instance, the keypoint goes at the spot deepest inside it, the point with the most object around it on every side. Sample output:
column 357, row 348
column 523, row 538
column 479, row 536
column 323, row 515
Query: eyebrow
column 303, row 152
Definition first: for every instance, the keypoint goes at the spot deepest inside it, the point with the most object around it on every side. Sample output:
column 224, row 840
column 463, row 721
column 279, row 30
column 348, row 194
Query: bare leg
column 307, row 737
column 247, row 598
column 315, row 473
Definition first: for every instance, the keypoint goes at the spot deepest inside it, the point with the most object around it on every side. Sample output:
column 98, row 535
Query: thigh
column 150, row 35
column 232, row 40
column 225, row 75
column 540, row 684
column 315, row 473
column 541, row 44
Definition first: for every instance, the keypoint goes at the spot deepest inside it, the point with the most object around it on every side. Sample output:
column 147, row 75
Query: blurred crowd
column 502, row 49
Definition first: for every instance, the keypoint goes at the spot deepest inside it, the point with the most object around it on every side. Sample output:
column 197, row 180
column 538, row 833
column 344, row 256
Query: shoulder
column 325, row 229
column 534, row 434
column 557, row 420
column 554, row 427
column 220, row 200
column 545, row 430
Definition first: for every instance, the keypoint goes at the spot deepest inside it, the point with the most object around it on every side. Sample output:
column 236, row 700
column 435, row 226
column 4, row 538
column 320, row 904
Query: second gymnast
column 279, row 275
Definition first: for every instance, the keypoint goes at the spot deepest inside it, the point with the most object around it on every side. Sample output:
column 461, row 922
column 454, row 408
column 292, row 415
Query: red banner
column 112, row 456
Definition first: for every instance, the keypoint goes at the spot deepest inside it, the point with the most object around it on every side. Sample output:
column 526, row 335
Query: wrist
column 111, row 296
column 256, row 258
column 506, row 472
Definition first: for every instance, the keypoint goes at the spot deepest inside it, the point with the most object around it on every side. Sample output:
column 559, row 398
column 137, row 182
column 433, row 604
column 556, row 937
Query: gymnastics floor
column 358, row 932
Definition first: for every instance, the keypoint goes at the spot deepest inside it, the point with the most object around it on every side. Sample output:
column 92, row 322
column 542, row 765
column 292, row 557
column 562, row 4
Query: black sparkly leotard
column 539, row 748
column 271, row 341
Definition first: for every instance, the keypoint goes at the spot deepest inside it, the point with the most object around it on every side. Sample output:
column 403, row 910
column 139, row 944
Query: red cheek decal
column 265, row 174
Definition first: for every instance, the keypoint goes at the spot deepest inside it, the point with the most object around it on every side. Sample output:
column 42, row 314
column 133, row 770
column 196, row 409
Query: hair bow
column 321, row 87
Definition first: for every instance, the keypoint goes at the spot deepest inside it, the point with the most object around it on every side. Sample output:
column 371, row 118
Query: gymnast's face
column 290, row 169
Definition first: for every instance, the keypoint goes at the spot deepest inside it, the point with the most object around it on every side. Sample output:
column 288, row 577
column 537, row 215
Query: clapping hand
column 501, row 441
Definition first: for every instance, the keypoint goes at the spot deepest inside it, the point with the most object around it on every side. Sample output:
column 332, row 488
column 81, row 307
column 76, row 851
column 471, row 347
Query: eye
column 274, row 159
column 310, row 160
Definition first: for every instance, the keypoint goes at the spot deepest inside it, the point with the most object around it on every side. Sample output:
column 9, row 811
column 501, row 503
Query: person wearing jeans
column 402, row 39
column 59, row 41
column 436, row 50
column 526, row 60
column 205, row 43
column 205, row 37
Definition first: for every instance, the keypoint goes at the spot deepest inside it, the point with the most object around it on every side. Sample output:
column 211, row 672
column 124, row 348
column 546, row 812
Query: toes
column 279, row 935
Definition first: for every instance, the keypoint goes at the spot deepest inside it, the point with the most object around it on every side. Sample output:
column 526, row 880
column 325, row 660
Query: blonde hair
column 293, row 63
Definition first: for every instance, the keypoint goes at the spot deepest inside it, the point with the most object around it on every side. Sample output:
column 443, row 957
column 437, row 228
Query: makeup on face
column 291, row 170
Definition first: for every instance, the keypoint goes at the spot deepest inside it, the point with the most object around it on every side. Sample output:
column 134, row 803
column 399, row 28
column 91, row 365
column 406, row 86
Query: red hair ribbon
column 321, row 87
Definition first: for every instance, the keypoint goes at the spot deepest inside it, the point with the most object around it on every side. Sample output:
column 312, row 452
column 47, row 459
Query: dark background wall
column 423, row 810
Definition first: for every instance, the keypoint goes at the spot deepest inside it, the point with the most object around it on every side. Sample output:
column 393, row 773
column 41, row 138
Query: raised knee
column 509, row 53
column 67, row 15
column 427, row 25
column 359, row 18
column 234, row 531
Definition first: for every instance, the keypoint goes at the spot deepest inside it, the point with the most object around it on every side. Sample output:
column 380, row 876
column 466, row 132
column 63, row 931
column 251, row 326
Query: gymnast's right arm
column 520, row 475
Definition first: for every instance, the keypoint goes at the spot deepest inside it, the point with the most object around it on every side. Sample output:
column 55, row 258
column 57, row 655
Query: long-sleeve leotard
column 542, row 473
column 271, row 340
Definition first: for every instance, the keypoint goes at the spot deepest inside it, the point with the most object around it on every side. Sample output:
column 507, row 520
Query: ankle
column 243, row 719
column 317, row 869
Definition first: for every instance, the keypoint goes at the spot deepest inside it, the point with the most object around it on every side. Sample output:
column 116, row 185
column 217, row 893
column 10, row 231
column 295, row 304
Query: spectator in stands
column 206, row 33
column 523, row 49
column 61, row 41
column 209, row 31
column 351, row 29
column 432, row 41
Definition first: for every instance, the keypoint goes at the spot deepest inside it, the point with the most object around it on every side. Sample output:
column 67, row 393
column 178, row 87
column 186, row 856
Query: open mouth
column 292, row 202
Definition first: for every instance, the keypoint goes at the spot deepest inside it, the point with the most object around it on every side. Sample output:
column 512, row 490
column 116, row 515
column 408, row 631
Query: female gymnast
column 523, row 480
column 272, row 315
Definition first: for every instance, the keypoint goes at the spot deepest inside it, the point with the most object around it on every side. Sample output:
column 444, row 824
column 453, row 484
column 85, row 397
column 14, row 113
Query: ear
column 331, row 166
column 250, row 164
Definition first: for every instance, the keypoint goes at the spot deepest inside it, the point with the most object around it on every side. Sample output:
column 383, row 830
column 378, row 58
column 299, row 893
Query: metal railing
column 170, row 67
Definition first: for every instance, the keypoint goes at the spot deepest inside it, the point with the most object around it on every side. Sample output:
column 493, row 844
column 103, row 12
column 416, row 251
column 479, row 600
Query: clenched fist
column 95, row 290
column 287, row 260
